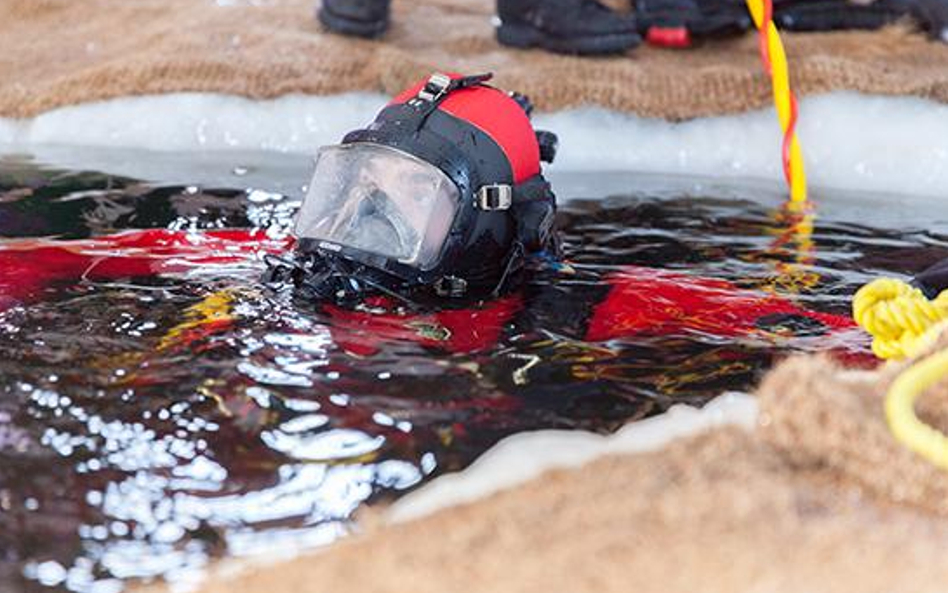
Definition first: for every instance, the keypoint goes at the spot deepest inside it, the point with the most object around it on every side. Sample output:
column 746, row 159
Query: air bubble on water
column 428, row 463
column 383, row 419
column 258, row 196
column 50, row 573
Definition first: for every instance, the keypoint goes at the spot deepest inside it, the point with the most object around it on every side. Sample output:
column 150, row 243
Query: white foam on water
column 895, row 145
column 523, row 457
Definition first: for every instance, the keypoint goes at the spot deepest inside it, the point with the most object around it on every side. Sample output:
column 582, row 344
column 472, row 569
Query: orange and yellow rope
column 774, row 58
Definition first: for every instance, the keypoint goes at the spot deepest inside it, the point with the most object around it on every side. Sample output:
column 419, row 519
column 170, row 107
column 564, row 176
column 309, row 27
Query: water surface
column 124, row 458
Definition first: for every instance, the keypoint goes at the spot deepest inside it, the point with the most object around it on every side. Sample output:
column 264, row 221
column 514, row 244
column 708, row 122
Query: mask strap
column 438, row 87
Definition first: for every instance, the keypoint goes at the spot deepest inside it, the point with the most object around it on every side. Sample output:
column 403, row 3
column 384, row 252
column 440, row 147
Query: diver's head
column 441, row 195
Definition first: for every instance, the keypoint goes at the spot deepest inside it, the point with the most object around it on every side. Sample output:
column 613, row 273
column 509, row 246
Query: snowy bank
column 524, row 457
column 894, row 145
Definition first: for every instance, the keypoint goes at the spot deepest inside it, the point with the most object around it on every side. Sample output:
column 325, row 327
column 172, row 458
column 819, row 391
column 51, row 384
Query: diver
column 564, row 26
column 676, row 22
column 425, row 225
column 434, row 226
column 441, row 197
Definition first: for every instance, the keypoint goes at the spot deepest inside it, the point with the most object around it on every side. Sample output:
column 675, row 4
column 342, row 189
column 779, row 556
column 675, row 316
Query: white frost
column 523, row 457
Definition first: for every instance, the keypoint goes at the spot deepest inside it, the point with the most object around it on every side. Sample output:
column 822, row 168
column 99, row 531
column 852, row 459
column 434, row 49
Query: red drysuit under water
column 639, row 300
column 27, row 267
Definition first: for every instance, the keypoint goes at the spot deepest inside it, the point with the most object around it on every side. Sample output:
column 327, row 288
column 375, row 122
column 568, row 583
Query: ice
column 858, row 143
column 851, row 142
column 196, row 121
column 523, row 457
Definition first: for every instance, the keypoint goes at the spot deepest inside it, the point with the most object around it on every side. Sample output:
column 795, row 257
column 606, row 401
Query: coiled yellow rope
column 898, row 316
column 901, row 320
column 775, row 63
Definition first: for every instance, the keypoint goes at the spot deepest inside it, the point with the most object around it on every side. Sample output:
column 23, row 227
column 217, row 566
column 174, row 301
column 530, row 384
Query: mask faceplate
column 379, row 200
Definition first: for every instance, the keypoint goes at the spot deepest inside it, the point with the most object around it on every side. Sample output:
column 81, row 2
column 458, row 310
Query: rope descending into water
column 774, row 58
column 903, row 322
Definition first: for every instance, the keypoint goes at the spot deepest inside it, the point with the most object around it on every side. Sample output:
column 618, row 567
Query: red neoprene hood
column 495, row 113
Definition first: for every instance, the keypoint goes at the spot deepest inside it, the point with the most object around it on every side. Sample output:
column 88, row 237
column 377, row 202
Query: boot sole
column 823, row 18
column 524, row 36
column 347, row 26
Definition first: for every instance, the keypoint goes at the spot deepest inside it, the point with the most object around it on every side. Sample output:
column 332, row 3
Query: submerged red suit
column 637, row 300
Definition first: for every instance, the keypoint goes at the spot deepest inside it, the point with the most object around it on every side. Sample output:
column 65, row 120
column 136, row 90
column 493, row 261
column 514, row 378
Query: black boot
column 361, row 18
column 673, row 23
column 565, row 26
column 831, row 15
column 932, row 15
column 827, row 15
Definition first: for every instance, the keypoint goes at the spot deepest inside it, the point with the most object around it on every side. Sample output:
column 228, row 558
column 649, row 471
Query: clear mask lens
column 380, row 200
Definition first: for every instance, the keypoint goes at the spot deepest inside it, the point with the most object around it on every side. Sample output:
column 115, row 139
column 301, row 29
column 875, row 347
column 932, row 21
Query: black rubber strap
column 535, row 189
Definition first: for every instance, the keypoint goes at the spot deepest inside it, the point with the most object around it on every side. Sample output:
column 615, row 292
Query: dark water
column 121, row 460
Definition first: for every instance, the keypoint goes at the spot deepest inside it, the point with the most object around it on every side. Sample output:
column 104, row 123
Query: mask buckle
column 450, row 286
column 497, row 196
column 436, row 88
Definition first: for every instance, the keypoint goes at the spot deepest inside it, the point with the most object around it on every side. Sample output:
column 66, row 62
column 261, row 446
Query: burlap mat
column 818, row 498
column 61, row 52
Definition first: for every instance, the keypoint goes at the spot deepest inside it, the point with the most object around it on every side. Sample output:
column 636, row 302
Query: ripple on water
column 122, row 458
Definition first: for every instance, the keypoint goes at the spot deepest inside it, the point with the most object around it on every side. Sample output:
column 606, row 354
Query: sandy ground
column 55, row 53
column 816, row 498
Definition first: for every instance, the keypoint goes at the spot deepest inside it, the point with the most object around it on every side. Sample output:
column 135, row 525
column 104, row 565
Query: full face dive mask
column 442, row 195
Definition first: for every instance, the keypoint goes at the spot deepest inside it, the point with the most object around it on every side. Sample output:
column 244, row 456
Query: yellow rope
column 900, row 409
column 775, row 63
column 901, row 320
column 793, row 236
column 898, row 316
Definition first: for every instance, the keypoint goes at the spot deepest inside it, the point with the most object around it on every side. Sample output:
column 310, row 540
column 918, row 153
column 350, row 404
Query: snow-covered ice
column 887, row 145
column 523, row 457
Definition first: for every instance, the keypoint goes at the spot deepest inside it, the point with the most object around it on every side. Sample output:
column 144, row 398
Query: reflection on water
column 143, row 431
